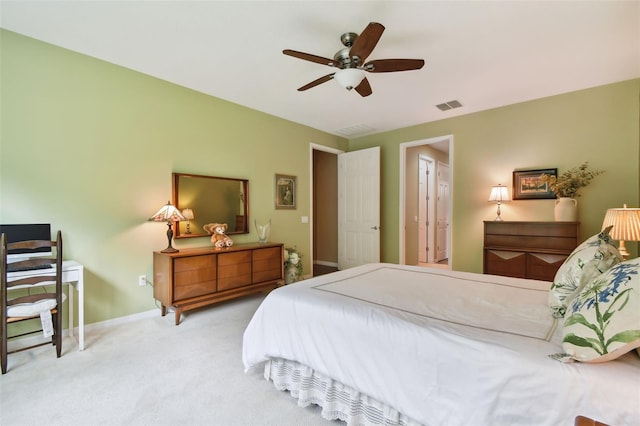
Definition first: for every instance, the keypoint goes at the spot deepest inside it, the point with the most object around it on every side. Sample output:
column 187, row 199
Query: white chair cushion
column 32, row 309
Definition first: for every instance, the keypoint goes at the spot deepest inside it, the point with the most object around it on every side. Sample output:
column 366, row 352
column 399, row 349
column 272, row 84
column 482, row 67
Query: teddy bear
column 218, row 237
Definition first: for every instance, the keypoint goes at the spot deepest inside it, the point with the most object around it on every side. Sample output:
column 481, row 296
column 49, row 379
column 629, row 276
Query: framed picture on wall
column 285, row 190
column 528, row 186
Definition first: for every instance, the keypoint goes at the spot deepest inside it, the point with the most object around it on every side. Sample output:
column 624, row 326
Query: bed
column 391, row 344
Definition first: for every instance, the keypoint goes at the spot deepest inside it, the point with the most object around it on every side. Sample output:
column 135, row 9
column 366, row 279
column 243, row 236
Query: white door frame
column 447, row 215
column 317, row 147
column 403, row 160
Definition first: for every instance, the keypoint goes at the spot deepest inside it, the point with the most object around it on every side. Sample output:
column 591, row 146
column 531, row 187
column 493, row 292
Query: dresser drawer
column 509, row 263
column 531, row 242
column 194, row 276
column 234, row 269
column 267, row 264
column 542, row 266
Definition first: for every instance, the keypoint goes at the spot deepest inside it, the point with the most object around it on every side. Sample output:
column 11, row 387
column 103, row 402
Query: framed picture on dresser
column 527, row 184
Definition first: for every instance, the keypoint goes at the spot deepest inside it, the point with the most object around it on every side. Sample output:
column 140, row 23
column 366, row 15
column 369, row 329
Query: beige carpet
column 150, row 372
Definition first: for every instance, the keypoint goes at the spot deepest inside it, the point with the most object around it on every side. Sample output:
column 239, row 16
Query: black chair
column 32, row 295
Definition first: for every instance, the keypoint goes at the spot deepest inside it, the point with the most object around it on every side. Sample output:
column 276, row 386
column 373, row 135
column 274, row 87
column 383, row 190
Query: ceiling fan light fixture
column 349, row 77
column 351, row 61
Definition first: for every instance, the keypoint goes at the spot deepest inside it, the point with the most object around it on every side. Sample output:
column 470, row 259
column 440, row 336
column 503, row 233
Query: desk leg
column 81, row 311
column 70, row 307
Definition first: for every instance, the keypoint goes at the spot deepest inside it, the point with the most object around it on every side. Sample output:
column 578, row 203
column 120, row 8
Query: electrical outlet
column 142, row 280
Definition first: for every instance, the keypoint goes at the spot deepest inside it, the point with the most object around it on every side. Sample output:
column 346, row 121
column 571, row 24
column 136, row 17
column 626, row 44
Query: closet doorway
column 425, row 202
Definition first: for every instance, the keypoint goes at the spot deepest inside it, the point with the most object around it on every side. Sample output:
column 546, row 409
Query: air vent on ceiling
column 355, row 130
column 449, row 105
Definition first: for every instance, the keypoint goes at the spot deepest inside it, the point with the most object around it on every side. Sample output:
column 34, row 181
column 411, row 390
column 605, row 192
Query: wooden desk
column 73, row 275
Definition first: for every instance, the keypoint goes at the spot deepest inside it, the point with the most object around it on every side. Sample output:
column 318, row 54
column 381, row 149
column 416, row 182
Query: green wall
column 90, row 147
column 598, row 125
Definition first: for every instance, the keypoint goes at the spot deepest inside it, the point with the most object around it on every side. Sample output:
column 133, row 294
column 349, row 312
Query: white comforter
column 442, row 347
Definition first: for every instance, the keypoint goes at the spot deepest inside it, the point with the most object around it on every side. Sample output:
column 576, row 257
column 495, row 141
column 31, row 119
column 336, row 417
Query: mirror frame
column 176, row 201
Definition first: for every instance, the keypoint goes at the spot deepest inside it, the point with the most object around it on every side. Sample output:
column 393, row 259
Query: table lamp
column 626, row 226
column 168, row 213
column 188, row 214
column 499, row 194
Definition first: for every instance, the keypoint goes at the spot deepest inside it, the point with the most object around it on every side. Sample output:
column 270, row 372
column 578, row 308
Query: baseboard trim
column 325, row 263
column 120, row 320
column 38, row 338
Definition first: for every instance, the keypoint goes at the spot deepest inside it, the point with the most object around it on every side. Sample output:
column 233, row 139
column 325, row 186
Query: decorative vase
column 263, row 231
column 290, row 274
column 566, row 210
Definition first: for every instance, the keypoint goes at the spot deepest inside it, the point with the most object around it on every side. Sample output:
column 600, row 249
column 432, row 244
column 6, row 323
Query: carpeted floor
column 150, row 372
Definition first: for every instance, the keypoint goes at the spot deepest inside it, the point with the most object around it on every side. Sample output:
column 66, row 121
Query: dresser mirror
column 210, row 199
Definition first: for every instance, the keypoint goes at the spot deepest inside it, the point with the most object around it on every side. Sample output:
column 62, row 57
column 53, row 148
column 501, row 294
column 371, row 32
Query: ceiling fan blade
column 392, row 65
column 366, row 42
column 314, row 83
column 364, row 88
column 309, row 57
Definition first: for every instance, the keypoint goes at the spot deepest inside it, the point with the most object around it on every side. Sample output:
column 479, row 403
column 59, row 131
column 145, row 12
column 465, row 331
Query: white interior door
column 425, row 211
column 358, row 207
column 442, row 234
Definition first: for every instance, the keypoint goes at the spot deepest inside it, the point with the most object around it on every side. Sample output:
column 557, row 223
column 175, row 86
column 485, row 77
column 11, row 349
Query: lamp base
column 498, row 218
column 623, row 250
column 170, row 248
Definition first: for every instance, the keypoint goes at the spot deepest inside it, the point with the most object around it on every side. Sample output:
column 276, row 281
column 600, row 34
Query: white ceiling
column 483, row 53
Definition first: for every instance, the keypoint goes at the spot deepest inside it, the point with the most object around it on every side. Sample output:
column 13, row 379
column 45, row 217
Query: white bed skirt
column 338, row 402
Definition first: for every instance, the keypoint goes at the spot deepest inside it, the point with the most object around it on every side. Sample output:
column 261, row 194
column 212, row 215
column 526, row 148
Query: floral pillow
column 603, row 321
column 594, row 256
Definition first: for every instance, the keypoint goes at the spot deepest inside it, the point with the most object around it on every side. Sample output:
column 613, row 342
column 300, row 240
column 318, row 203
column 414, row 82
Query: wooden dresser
column 198, row 277
column 532, row 250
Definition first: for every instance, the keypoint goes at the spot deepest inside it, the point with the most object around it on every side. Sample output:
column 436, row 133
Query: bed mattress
column 441, row 347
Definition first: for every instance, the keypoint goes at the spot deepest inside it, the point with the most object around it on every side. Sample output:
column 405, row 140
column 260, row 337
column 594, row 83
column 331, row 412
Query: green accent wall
column 89, row 147
column 599, row 125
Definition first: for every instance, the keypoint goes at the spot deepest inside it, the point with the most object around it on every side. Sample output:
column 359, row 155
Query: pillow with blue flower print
column 603, row 321
column 595, row 255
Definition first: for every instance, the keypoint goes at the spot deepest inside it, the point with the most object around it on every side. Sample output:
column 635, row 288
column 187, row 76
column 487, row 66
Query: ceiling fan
column 350, row 61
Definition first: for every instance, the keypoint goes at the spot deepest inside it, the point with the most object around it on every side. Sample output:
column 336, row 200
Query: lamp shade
column 188, row 214
column 349, row 77
column 625, row 222
column 167, row 213
column 499, row 193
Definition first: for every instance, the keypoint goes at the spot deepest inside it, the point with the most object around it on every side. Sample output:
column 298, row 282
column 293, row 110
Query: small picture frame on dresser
column 528, row 186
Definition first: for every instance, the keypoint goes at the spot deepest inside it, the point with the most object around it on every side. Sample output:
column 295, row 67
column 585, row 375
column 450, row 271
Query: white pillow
column 591, row 258
column 603, row 321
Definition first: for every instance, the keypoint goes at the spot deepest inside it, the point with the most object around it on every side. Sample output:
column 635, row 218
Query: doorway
column 324, row 209
column 345, row 206
column 428, row 209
